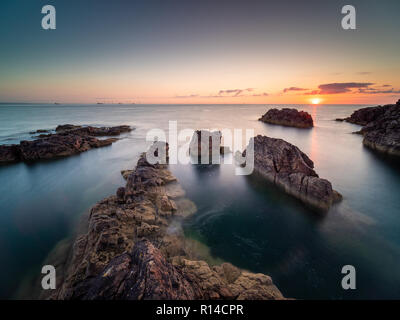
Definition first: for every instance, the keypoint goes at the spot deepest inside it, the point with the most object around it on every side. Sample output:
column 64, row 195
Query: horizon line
column 182, row 104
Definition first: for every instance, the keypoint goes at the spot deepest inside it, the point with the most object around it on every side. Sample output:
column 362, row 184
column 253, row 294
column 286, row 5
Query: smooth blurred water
column 242, row 219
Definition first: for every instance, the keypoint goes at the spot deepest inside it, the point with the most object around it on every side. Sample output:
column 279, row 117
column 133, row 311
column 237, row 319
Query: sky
column 200, row 52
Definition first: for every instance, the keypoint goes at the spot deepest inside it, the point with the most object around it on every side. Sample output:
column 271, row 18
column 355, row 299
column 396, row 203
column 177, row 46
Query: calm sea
column 241, row 219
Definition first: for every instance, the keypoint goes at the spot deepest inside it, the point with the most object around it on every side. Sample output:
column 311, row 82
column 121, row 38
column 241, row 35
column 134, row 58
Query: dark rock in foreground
column 146, row 274
column 288, row 117
column 68, row 140
column 286, row 166
column 131, row 250
column 381, row 129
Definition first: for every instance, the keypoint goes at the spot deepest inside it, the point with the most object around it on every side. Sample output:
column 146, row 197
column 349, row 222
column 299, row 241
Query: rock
column 9, row 153
column 229, row 282
column 381, row 127
column 125, row 173
column 286, row 166
column 288, row 117
column 205, row 143
column 68, row 140
column 92, row 131
column 146, row 229
column 184, row 207
column 132, row 250
column 39, row 131
column 66, row 127
column 225, row 150
column 174, row 190
column 144, row 274
column 166, row 205
column 365, row 115
column 121, row 192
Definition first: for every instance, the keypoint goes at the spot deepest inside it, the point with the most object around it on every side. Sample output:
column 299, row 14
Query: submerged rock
column 133, row 249
column 288, row 117
column 288, row 167
column 381, row 127
column 40, row 131
column 68, row 140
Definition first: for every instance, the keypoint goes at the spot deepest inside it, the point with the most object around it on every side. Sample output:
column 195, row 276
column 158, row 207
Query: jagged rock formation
column 381, row 127
column 133, row 249
column 68, row 140
column 365, row 115
column 288, row 167
column 146, row 274
column 288, row 117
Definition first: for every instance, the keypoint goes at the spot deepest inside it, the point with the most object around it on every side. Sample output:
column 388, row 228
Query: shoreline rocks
column 135, row 249
column 288, row 117
column 381, row 127
column 68, row 140
column 286, row 166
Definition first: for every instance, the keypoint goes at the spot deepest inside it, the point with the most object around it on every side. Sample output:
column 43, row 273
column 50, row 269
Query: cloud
column 352, row 87
column 376, row 91
column 364, row 73
column 343, row 87
column 294, row 89
column 228, row 93
column 311, row 92
column 188, row 96
column 234, row 92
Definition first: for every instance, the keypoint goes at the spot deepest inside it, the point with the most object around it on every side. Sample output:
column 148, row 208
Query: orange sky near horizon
column 265, row 53
column 216, row 87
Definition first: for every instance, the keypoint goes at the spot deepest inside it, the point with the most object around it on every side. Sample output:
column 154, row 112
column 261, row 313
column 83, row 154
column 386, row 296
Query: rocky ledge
column 66, row 141
column 134, row 248
column 381, row 127
column 288, row 117
column 289, row 168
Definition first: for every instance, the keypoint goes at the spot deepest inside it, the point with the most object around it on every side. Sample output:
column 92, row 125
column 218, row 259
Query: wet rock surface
column 381, row 127
column 134, row 248
column 288, row 117
column 289, row 168
column 68, row 140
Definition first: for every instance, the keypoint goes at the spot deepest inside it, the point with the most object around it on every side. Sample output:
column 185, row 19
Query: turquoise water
column 242, row 219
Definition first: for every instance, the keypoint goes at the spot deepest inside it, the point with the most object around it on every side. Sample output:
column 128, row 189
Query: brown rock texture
column 381, row 127
column 288, row 117
column 289, row 168
column 130, row 251
column 68, row 140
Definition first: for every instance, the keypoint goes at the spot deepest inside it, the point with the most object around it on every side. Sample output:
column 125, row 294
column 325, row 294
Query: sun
column 315, row 100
